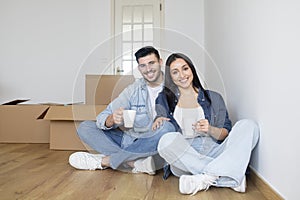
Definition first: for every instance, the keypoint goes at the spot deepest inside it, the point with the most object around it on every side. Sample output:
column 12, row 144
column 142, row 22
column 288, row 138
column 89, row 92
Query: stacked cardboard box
column 57, row 124
column 64, row 120
column 102, row 89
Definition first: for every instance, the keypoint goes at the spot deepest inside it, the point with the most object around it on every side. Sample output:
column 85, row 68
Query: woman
column 206, row 150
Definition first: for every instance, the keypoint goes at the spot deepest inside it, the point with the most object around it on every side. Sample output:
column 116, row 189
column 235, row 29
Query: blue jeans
column 229, row 160
column 119, row 146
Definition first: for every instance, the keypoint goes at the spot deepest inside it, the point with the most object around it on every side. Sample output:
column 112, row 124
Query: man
column 119, row 147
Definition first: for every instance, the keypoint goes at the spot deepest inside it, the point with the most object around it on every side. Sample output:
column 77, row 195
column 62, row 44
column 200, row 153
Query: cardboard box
column 19, row 124
column 102, row 89
column 64, row 121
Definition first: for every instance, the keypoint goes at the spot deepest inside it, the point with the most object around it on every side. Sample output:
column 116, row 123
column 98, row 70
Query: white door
column 137, row 24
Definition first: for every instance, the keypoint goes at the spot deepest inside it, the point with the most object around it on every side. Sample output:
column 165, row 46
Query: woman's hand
column 158, row 122
column 202, row 126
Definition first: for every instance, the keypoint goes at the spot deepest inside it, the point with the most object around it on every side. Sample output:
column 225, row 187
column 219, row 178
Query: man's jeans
column 120, row 146
column 229, row 160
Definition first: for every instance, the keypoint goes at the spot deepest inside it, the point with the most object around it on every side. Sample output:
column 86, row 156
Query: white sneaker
column 191, row 184
column 241, row 187
column 84, row 160
column 144, row 165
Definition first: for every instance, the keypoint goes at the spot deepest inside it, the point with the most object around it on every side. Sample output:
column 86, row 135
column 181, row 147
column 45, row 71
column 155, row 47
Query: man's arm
column 112, row 116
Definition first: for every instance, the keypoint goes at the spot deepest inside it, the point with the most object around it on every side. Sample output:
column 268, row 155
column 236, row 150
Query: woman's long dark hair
column 170, row 88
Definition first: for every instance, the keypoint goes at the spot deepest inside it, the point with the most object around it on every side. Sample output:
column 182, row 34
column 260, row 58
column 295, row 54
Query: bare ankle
column 105, row 161
column 131, row 163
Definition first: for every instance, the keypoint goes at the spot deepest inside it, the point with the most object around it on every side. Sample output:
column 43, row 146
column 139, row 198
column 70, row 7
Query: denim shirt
column 215, row 112
column 133, row 97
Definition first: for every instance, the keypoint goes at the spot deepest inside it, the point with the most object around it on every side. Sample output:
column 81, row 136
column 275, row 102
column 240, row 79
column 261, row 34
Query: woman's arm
column 220, row 124
column 217, row 133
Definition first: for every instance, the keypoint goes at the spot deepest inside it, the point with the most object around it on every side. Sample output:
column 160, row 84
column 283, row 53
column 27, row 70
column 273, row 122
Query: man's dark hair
column 145, row 51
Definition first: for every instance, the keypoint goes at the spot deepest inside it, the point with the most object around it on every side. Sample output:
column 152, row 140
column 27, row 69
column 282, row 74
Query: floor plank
column 32, row 171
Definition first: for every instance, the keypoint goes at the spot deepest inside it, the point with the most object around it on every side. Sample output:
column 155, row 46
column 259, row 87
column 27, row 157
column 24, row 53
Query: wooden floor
column 32, row 171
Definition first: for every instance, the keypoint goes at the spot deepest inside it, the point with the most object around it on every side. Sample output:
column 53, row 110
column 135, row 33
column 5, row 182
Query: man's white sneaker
column 84, row 160
column 144, row 165
column 191, row 184
column 241, row 187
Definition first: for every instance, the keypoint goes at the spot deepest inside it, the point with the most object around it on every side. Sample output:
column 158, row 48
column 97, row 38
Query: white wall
column 186, row 19
column 255, row 44
column 44, row 43
column 184, row 30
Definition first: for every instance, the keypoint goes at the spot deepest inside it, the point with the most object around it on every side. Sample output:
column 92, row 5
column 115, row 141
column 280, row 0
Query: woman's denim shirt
column 215, row 112
column 133, row 97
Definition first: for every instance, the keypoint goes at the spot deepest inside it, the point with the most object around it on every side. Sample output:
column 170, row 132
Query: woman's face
column 181, row 73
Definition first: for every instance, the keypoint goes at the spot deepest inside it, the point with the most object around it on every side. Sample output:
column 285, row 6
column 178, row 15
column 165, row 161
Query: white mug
column 129, row 116
column 187, row 129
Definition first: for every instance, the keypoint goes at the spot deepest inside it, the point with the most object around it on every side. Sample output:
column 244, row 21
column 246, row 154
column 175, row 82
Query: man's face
column 150, row 68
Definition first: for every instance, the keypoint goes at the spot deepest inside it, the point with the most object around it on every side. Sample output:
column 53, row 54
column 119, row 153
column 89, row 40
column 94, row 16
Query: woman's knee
column 166, row 141
column 251, row 125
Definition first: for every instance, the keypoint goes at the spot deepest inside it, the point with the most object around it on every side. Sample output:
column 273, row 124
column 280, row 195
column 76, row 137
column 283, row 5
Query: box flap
column 74, row 112
column 42, row 116
column 102, row 89
column 15, row 102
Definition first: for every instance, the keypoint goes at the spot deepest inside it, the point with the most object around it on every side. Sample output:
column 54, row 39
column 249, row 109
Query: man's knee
column 85, row 126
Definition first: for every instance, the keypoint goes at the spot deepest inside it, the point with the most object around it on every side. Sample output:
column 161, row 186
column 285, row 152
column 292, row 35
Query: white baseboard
column 263, row 187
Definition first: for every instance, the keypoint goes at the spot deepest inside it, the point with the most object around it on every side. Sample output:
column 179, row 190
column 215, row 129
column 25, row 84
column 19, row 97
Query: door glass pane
column 126, row 33
column 138, row 14
column 148, row 14
column 148, row 32
column 127, row 66
column 148, row 43
column 127, row 13
column 127, row 51
column 137, row 32
column 136, row 46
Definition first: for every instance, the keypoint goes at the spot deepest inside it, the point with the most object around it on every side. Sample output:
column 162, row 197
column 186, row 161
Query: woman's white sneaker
column 87, row 161
column 241, row 187
column 191, row 184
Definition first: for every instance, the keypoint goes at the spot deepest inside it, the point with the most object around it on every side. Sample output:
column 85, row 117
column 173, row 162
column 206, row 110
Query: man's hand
column 115, row 118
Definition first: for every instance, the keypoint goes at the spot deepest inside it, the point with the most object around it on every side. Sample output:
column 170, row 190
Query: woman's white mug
column 187, row 129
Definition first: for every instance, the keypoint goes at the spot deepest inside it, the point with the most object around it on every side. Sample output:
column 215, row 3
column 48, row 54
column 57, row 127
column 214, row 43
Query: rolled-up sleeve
column 220, row 112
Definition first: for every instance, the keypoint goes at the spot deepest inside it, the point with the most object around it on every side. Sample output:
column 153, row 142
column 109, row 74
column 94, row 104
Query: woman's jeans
column 120, row 146
column 228, row 160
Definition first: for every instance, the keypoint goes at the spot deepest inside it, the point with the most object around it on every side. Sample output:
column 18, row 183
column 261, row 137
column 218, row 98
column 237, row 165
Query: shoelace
column 207, row 182
column 92, row 159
